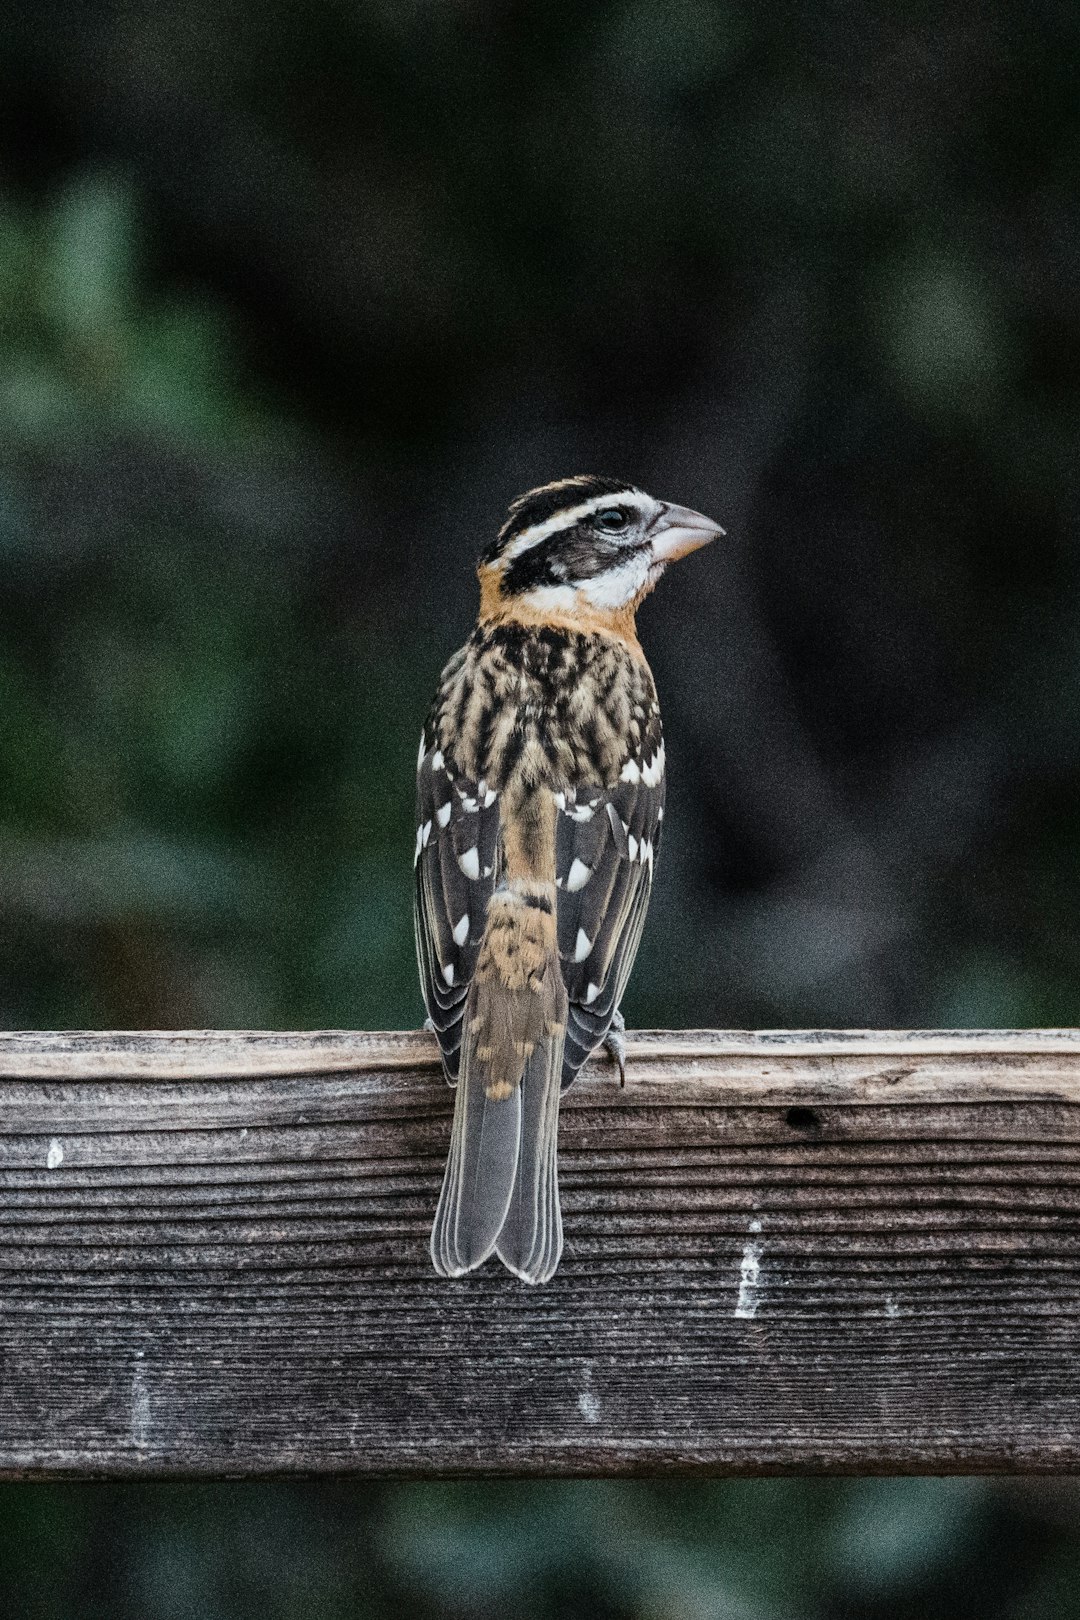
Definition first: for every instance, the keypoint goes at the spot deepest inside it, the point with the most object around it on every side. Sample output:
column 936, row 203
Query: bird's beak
column 678, row 531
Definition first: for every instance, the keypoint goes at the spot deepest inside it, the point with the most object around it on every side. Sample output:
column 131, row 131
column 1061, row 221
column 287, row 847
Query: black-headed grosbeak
column 540, row 789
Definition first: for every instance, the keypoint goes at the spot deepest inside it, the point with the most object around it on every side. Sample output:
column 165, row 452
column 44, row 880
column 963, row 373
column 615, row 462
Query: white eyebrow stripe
column 569, row 515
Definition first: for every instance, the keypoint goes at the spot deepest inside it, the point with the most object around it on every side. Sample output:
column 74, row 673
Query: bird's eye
column 611, row 519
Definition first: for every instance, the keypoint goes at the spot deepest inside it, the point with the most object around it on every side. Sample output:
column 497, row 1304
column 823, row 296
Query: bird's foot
column 614, row 1044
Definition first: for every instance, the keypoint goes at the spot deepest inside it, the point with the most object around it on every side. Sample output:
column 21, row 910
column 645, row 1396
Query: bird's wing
column 457, row 853
column 606, row 844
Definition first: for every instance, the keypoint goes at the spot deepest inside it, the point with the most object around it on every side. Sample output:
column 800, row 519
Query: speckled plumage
column 534, row 733
column 523, row 704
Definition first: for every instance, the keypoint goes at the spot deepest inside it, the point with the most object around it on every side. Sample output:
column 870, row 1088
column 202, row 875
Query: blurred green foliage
column 766, row 1550
column 197, row 772
column 82, row 351
column 292, row 301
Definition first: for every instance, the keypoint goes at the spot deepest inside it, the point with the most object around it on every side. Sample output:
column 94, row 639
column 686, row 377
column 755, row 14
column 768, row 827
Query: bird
column 540, row 804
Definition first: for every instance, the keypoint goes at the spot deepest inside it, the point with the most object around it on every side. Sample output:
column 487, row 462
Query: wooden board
column 785, row 1251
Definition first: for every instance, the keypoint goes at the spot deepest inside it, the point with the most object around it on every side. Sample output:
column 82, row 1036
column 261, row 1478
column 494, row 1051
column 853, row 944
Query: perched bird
column 540, row 793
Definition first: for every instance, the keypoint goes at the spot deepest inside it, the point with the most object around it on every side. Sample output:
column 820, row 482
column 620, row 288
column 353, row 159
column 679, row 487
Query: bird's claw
column 614, row 1044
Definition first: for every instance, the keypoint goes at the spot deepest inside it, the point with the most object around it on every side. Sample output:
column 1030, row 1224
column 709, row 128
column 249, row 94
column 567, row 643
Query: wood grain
column 785, row 1251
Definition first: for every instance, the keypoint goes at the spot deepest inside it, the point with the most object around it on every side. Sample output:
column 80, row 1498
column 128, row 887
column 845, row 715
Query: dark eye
column 611, row 519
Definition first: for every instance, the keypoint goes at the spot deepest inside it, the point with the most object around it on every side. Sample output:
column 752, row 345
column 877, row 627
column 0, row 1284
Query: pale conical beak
column 678, row 531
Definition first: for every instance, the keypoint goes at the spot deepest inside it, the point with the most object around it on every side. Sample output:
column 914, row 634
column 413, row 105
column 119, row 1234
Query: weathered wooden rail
column 848, row 1251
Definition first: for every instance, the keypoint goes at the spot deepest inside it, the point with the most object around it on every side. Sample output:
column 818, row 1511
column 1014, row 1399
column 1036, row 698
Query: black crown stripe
column 538, row 505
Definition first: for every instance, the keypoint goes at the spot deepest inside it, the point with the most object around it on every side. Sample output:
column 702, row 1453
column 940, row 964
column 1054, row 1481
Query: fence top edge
column 258, row 1054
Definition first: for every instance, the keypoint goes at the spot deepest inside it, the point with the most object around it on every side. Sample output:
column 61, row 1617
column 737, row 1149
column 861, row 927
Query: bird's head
column 585, row 550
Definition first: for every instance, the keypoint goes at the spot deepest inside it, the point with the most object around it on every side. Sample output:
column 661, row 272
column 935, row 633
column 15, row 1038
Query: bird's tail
column 500, row 1193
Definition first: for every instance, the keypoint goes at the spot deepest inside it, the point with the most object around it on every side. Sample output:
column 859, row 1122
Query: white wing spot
column 631, row 846
column 437, row 761
column 560, row 801
column 461, row 932
column 448, row 973
column 489, row 798
column 578, row 876
column 631, row 772
column 420, row 755
column 654, row 771
column 583, row 946
column 591, row 994
column 442, row 814
column 470, row 863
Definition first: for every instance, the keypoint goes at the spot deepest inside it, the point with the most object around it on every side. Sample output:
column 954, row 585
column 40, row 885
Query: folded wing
column 606, row 845
column 457, row 844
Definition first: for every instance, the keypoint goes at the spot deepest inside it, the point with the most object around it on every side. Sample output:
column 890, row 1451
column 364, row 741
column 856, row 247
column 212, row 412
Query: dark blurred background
column 293, row 300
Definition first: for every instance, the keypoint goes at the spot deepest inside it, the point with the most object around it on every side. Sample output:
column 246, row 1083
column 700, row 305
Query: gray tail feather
column 530, row 1240
column 479, row 1181
column 500, row 1193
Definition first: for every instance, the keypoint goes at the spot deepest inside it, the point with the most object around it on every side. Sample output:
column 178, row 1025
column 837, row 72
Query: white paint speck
column 55, row 1156
column 589, row 1406
column 140, row 1407
column 749, row 1278
column 892, row 1309
column 587, row 1403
